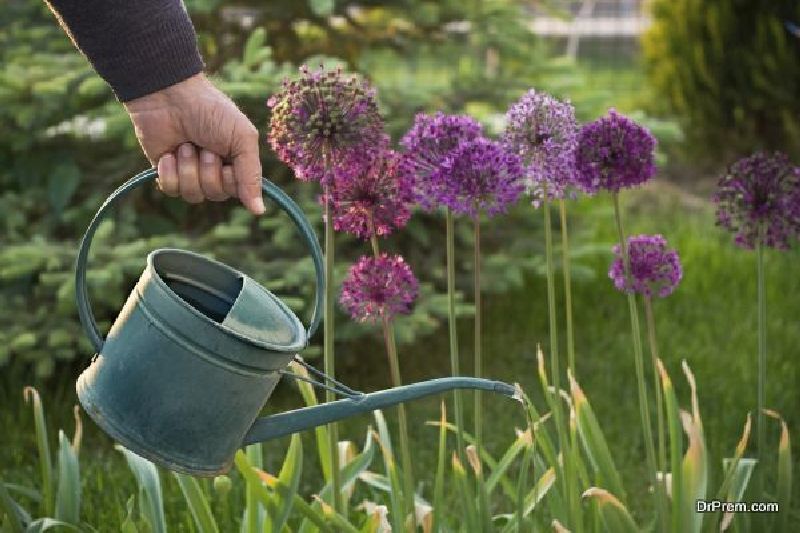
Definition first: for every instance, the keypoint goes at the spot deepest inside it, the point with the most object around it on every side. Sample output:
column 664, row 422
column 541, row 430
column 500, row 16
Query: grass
column 710, row 321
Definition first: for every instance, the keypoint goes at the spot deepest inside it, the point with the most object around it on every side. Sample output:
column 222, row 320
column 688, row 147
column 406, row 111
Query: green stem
column 662, row 446
column 405, row 450
column 478, row 325
column 554, row 362
column 644, row 409
column 451, row 306
column 762, row 359
column 255, row 456
column 394, row 369
column 328, row 358
column 565, row 267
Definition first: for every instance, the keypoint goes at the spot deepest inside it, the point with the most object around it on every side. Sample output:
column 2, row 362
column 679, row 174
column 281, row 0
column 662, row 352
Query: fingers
column 168, row 175
column 247, row 166
column 211, row 177
column 188, row 174
column 229, row 181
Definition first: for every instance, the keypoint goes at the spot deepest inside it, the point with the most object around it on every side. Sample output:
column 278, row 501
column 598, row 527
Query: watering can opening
column 213, row 295
column 227, row 300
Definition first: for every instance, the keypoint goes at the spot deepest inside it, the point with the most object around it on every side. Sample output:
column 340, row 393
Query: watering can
column 198, row 348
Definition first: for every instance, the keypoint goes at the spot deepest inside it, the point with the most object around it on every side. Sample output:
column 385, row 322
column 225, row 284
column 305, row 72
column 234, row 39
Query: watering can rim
column 300, row 332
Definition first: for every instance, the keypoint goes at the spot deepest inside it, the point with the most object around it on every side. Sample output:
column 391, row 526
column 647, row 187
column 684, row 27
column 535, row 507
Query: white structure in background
column 596, row 19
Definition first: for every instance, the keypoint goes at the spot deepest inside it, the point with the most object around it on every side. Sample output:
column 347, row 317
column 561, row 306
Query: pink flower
column 378, row 287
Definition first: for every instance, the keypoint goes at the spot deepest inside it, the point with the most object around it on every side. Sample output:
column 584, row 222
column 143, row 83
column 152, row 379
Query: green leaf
column 68, row 496
column 396, row 496
column 43, row 524
column 151, row 501
column 466, row 495
column 675, row 445
column 198, row 504
column 15, row 514
column 784, row 487
column 615, row 516
column 594, row 442
column 741, row 478
column 320, row 432
column 255, row 483
column 288, row 477
column 45, row 464
column 694, row 474
column 438, row 485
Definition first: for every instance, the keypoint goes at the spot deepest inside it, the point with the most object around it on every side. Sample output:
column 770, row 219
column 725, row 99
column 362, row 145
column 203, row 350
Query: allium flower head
column 479, row 175
column 322, row 120
column 378, row 287
column 655, row 269
column 543, row 132
column 429, row 141
column 614, row 153
column 377, row 199
column 760, row 190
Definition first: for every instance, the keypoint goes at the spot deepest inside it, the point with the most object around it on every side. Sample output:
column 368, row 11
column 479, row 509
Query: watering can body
column 197, row 350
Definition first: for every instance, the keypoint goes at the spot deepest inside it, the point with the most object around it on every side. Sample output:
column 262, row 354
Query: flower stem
column 394, row 370
column 662, row 446
column 478, row 325
column 644, row 409
column 762, row 359
column 451, row 306
column 554, row 363
column 328, row 358
column 565, row 267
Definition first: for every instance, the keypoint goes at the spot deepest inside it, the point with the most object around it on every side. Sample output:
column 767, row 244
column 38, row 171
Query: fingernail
column 168, row 157
column 186, row 150
column 258, row 206
column 207, row 157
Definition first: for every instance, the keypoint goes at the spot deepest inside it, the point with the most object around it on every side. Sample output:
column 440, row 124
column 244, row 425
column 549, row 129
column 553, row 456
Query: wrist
column 173, row 96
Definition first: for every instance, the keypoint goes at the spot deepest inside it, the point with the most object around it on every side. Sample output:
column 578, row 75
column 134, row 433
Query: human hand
column 204, row 147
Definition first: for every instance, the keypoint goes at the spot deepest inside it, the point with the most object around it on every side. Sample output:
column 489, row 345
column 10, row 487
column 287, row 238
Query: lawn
column 710, row 322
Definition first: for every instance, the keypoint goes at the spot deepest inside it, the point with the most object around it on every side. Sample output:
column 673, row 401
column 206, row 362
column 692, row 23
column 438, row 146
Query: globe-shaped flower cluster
column 322, row 121
column 542, row 131
column 614, row 153
column 760, row 193
column 455, row 166
column 374, row 200
column 378, row 288
column 655, row 269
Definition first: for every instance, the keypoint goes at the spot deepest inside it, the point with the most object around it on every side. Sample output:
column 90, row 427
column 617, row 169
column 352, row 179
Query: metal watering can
column 197, row 350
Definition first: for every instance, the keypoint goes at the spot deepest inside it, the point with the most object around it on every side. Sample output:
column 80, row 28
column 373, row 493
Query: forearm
column 137, row 46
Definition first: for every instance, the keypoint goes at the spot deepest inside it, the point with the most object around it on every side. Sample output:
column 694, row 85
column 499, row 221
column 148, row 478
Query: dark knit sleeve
column 137, row 46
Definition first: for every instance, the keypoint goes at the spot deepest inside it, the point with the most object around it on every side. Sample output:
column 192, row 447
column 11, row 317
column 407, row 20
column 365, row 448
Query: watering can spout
column 279, row 425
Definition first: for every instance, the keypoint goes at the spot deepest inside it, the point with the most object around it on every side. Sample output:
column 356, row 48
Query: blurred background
column 713, row 79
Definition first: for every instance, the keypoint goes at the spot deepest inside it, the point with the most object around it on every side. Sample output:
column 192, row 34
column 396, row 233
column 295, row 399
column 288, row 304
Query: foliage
column 730, row 70
column 374, row 501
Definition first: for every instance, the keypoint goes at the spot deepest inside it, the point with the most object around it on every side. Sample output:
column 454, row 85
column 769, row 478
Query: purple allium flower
column 479, row 175
column 429, row 141
column 378, row 287
column 543, row 132
column 323, row 117
column 655, row 269
column 614, row 153
column 377, row 199
column 760, row 190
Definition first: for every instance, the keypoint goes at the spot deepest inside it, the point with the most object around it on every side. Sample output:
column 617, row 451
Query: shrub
column 730, row 69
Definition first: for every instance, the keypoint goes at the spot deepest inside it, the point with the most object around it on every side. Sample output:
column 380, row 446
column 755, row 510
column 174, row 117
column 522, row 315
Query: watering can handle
column 270, row 189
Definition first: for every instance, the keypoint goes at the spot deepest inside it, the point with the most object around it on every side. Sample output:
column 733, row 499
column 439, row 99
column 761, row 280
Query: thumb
column 247, row 169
